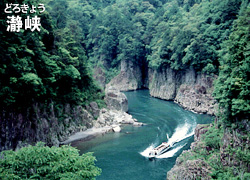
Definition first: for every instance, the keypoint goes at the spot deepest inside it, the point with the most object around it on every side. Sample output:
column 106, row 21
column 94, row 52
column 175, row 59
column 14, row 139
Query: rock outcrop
column 218, row 151
column 191, row 169
column 53, row 125
column 113, row 117
column 130, row 77
column 109, row 119
column 190, row 89
column 116, row 100
column 50, row 125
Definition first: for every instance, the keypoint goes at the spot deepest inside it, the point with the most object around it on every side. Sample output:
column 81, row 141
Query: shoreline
column 109, row 120
column 93, row 132
column 87, row 134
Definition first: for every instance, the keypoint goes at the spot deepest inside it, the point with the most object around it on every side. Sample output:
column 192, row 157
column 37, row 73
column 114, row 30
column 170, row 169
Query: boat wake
column 182, row 132
column 145, row 153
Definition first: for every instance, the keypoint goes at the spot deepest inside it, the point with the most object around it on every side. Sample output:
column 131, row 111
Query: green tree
column 189, row 33
column 42, row 162
column 232, row 89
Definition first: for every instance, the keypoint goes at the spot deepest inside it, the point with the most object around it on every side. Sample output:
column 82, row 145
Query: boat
column 163, row 147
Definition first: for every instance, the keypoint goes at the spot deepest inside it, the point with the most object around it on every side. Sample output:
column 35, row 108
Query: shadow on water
column 123, row 155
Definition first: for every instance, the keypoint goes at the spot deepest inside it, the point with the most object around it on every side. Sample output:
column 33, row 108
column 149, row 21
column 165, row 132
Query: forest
column 56, row 65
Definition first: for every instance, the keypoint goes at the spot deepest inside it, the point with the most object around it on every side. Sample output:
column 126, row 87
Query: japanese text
column 15, row 22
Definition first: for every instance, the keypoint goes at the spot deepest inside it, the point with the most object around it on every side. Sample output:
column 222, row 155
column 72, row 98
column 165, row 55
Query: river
column 123, row 156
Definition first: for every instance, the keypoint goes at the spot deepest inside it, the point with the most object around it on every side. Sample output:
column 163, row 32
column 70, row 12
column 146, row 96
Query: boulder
column 137, row 124
column 117, row 129
column 115, row 117
column 116, row 100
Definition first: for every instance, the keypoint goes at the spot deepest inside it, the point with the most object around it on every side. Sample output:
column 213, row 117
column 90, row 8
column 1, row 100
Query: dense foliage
column 157, row 33
column 189, row 34
column 40, row 162
column 53, row 65
column 44, row 66
column 233, row 86
column 225, row 152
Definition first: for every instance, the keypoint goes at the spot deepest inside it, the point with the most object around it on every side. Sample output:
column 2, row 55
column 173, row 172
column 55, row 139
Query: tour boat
column 159, row 150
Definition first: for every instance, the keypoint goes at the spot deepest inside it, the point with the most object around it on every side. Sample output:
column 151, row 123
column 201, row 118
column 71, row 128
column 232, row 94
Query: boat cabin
column 159, row 150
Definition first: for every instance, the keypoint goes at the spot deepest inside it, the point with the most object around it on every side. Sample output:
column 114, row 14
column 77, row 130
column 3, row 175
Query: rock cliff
column 216, row 153
column 130, row 77
column 115, row 114
column 50, row 125
column 54, row 124
column 190, row 89
column 188, row 168
column 116, row 100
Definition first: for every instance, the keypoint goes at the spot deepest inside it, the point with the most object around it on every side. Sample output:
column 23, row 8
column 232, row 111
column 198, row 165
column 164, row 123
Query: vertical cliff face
column 190, row 89
column 131, row 77
column 55, row 123
column 50, row 125
column 163, row 83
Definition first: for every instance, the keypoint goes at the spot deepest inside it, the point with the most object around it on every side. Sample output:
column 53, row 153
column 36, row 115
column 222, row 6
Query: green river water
column 123, row 156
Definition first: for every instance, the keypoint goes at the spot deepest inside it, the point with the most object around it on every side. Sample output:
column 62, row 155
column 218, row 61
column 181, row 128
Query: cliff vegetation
column 221, row 151
column 195, row 52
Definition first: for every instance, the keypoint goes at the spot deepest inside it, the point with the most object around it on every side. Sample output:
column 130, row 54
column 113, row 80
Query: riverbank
column 216, row 153
column 119, row 154
column 108, row 121
column 86, row 135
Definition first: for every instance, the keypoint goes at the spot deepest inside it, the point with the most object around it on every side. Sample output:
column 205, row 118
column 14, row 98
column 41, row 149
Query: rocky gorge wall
column 227, row 152
column 50, row 125
column 54, row 124
column 190, row 89
column 130, row 77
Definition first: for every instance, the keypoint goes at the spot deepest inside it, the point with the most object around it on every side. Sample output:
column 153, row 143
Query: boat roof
column 163, row 145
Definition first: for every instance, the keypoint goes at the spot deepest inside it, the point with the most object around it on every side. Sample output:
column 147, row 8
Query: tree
column 190, row 33
column 232, row 89
column 42, row 162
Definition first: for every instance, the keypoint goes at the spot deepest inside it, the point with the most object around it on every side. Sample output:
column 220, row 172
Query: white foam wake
column 182, row 132
column 145, row 153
